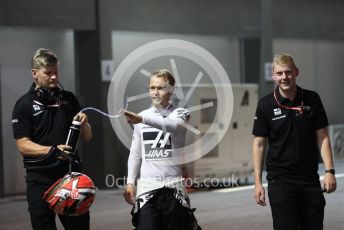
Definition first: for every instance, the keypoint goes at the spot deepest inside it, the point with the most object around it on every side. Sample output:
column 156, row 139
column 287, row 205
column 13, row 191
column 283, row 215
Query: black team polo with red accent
column 44, row 124
column 293, row 149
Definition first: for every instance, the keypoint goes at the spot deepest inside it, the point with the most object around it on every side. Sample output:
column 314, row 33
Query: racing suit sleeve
column 135, row 157
column 176, row 120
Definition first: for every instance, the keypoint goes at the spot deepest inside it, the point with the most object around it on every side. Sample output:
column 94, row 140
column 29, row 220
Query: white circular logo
column 166, row 51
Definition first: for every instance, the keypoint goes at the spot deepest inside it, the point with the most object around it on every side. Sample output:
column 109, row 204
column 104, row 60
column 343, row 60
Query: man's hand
column 259, row 194
column 82, row 117
column 330, row 183
column 64, row 149
column 133, row 118
column 129, row 194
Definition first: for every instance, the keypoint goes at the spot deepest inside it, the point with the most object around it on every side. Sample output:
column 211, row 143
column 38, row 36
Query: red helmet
column 71, row 195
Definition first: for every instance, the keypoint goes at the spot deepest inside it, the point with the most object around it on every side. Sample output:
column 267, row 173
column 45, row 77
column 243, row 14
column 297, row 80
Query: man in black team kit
column 293, row 121
column 40, row 120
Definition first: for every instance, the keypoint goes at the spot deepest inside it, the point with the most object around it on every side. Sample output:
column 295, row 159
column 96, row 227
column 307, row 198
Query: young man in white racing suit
column 160, row 200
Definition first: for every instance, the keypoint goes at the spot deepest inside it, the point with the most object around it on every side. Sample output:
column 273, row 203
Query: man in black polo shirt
column 40, row 120
column 293, row 122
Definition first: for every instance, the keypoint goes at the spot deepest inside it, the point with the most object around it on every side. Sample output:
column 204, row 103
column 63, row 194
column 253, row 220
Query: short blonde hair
column 283, row 59
column 43, row 57
column 164, row 73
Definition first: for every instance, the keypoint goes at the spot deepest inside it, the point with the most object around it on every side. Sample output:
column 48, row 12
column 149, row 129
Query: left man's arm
column 324, row 143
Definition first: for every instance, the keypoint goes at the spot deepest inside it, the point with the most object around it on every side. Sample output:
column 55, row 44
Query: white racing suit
column 152, row 154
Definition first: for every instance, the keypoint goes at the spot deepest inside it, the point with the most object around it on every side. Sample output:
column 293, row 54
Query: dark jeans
column 164, row 212
column 296, row 204
column 42, row 218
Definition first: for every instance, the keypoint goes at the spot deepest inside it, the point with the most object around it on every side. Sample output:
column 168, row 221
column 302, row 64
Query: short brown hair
column 43, row 57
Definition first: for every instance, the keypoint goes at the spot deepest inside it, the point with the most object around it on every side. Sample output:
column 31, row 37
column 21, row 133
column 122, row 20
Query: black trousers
column 164, row 212
column 42, row 218
column 296, row 204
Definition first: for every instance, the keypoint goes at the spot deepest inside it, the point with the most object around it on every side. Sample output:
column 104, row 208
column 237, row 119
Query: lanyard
column 57, row 104
column 300, row 108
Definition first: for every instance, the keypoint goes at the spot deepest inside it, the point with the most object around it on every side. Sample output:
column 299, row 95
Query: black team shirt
column 292, row 142
column 44, row 124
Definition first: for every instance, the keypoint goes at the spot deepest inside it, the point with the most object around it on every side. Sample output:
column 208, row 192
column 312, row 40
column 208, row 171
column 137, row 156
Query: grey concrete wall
column 224, row 49
column 221, row 17
column 291, row 19
column 74, row 14
column 308, row 19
